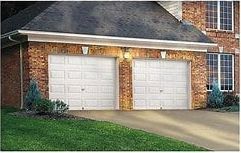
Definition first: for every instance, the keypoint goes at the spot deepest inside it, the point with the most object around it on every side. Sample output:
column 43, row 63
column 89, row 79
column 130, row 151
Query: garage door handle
column 161, row 90
column 82, row 89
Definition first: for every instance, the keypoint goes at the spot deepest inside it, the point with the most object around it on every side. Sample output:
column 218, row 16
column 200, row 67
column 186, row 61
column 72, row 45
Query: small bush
column 230, row 100
column 44, row 106
column 33, row 95
column 60, row 107
column 215, row 99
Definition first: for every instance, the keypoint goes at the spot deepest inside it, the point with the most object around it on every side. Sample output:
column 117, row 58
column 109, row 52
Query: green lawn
column 21, row 133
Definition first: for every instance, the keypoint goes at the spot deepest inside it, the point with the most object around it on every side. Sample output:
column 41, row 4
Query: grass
column 22, row 133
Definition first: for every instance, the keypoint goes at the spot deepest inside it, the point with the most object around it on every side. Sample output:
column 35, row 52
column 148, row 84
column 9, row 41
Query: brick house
column 121, row 55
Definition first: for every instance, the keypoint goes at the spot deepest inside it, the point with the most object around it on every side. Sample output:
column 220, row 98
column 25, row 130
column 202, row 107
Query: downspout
column 21, row 68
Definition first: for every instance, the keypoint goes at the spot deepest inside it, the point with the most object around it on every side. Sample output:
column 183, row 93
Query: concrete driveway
column 212, row 130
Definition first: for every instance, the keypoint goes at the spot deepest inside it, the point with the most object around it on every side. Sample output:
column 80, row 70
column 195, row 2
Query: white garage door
column 160, row 84
column 83, row 82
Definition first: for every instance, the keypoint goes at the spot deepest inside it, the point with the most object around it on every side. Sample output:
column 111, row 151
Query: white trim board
column 41, row 36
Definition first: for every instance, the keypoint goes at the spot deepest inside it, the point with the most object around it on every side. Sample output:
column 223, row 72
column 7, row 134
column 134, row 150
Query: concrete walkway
column 212, row 130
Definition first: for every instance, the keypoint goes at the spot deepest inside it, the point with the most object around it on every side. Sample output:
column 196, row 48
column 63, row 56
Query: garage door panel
column 73, row 75
column 74, row 60
column 181, row 90
column 86, row 82
column 75, row 96
column 105, row 103
column 107, row 89
column 155, row 104
column 89, row 76
column 168, row 90
column 106, row 76
column 154, row 90
column 140, row 103
column 57, row 59
column 74, row 102
column 139, row 90
column 154, row 64
column 57, row 88
column 73, row 89
column 139, row 71
column 56, row 81
column 56, row 95
column 91, row 103
column 140, row 97
column 72, row 67
column 57, row 67
column 56, row 74
column 154, row 77
column 140, row 64
column 91, row 89
column 140, row 77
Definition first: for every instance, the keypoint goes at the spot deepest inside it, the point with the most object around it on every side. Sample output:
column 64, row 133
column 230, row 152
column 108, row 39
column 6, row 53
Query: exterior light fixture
column 220, row 49
column 163, row 54
column 85, row 50
column 127, row 54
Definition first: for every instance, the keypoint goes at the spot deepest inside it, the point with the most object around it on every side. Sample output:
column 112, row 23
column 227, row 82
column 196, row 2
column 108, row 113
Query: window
column 212, row 69
column 220, row 69
column 212, row 15
column 226, row 72
column 219, row 15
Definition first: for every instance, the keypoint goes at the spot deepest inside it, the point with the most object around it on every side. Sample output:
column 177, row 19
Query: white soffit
column 40, row 36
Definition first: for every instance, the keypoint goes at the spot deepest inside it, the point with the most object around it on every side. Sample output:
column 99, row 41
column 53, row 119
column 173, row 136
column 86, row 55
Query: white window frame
column 219, row 72
column 218, row 22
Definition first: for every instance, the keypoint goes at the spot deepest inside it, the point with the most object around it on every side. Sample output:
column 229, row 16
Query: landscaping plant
column 215, row 98
column 44, row 106
column 60, row 107
column 33, row 95
column 231, row 100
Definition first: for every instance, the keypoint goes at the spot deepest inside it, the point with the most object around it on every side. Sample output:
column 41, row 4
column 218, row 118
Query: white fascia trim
column 41, row 36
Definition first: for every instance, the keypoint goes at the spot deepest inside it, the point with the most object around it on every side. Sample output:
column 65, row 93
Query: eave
column 56, row 37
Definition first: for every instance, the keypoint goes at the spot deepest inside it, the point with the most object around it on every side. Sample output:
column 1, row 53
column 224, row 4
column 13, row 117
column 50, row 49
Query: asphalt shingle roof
column 111, row 18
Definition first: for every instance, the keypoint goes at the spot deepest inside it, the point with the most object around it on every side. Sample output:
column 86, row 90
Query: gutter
column 21, row 67
column 59, row 37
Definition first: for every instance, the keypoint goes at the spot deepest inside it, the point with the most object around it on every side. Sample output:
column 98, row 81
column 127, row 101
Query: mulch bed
column 50, row 116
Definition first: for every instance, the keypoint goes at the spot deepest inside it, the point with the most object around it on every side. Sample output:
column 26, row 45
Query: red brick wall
column 10, row 76
column 195, row 13
column 38, row 67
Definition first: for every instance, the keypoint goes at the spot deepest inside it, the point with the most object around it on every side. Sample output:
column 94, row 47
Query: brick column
column 125, row 85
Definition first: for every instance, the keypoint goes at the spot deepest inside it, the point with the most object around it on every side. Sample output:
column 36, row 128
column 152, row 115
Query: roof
column 131, row 19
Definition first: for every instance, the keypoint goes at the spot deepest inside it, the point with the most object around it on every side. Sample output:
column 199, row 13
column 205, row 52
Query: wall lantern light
column 127, row 54
column 163, row 54
column 220, row 49
column 85, row 50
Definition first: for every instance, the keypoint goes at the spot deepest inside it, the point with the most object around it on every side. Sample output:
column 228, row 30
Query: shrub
column 230, row 100
column 44, row 106
column 215, row 99
column 60, row 107
column 33, row 95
